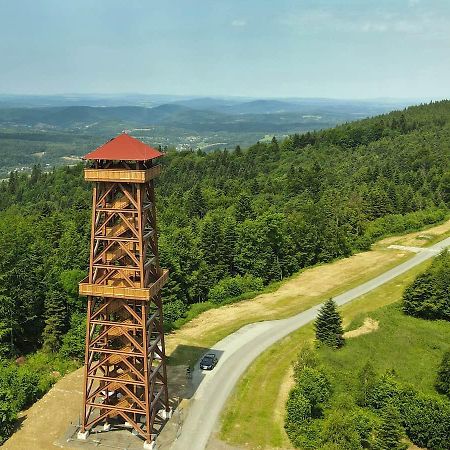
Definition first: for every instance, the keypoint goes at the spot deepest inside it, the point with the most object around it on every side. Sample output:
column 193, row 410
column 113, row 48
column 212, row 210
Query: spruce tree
column 213, row 247
column 366, row 383
column 196, row 204
column 328, row 325
column 244, row 208
column 55, row 320
column 391, row 431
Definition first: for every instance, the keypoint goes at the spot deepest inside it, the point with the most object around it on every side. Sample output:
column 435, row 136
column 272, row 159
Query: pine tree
column 213, row 247
column 328, row 325
column 196, row 204
column 55, row 320
column 244, row 208
column 443, row 376
column 366, row 383
column 230, row 237
column 274, row 146
column 391, row 431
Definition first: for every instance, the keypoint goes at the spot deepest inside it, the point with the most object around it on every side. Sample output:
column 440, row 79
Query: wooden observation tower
column 125, row 380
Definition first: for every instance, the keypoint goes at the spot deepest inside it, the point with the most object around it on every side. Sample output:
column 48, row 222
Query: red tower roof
column 124, row 148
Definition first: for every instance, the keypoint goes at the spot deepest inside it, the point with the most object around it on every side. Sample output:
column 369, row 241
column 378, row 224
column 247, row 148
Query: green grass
column 254, row 415
column 412, row 347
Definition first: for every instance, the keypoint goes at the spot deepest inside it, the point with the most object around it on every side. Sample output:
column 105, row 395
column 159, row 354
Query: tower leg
column 150, row 445
column 86, row 367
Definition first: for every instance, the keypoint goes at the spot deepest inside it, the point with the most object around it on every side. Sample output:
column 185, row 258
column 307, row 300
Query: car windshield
column 207, row 359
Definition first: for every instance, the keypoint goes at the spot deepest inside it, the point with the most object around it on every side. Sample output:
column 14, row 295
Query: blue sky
column 260, row 48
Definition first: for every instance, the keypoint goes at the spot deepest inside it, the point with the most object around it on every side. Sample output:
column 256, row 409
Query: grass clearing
column 423, row 238
column 401, row 343
column 254, row 415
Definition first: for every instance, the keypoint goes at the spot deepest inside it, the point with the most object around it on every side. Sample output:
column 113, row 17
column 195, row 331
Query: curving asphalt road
column 238, row 350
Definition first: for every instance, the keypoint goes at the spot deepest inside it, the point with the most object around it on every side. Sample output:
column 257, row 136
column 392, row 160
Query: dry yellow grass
column 419, row 238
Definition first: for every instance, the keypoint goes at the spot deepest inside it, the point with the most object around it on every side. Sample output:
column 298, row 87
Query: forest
column 343, row 399
column 230, row 223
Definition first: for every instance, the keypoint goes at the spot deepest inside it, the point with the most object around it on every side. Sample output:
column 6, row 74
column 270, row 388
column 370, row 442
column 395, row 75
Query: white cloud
column 428, row 24
column 378, row 27
column 238, row 23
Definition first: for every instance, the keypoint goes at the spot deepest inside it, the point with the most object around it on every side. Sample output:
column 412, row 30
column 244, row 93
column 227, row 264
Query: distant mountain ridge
column 197, row 114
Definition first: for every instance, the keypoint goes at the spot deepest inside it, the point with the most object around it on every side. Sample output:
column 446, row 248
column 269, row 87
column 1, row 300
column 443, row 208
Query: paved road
column 239, row 349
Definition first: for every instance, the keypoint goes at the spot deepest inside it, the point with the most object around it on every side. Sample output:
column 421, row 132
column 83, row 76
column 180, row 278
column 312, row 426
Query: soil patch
column 367, row 327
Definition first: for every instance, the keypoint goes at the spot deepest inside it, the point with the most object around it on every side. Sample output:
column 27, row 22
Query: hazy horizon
column 303, row 49
column 208, row 95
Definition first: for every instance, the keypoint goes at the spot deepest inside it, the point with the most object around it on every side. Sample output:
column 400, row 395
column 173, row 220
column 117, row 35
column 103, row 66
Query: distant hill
column 199, row 115
column 293, row 105
column 76, row 116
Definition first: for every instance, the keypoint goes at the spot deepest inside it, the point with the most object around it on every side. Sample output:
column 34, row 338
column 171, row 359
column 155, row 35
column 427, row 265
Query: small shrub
column 307, row 435
column 174, row 310
column 298, row 407
column 443, row 375
column 339, row 430
column 8, row 417
column 366, row 384
column 365, row 422
column 306, row 358
column 314, row 385
column 384, row 390
column 390, row 432
column 26, row 387
column 233, row 287
column 73, row 342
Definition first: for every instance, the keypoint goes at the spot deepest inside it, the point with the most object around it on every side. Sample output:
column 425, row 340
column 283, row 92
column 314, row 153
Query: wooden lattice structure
column 125, row 376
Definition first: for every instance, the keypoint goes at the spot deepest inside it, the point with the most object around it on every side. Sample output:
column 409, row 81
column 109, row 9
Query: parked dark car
column 208, row 362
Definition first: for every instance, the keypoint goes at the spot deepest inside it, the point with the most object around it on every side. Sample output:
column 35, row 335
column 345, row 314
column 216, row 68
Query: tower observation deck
column 125, row 378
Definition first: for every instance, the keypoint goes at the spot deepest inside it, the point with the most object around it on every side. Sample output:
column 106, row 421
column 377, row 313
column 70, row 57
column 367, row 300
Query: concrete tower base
column 83, row 435
column 166, row 414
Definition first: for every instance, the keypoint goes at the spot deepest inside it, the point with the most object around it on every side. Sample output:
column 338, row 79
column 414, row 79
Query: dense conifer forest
column 229, row 223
